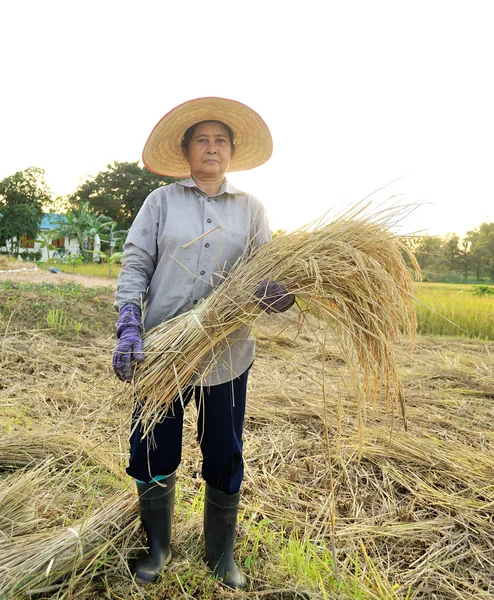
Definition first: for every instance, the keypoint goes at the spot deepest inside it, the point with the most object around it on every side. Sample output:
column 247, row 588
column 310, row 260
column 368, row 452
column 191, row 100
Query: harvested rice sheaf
column 351, row 272
column 64, row 514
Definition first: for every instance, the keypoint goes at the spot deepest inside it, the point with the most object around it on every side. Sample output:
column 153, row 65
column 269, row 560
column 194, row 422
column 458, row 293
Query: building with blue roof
column 49, row 224
column 50, row 221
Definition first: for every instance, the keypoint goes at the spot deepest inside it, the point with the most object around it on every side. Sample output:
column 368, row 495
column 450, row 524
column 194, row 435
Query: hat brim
column 163, row 154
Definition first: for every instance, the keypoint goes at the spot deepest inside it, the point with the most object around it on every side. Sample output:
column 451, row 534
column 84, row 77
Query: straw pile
column 351, row 272
column 410, row 514
column 31, row 563
column 63, row 516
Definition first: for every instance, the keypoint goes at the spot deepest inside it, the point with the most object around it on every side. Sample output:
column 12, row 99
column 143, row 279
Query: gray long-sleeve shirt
column 179, row 244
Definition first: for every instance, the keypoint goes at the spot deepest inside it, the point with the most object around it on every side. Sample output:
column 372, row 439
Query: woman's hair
column 190, row 132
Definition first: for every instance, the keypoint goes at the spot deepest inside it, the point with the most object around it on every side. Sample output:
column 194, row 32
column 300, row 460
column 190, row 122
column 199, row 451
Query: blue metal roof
column 50, row 221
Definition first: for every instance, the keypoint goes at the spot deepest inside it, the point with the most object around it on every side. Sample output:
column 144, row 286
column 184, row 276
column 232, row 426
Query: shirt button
column 209, row 221
column 207, row 245
column 203, row 272
column 209, row 199
column 195, row 302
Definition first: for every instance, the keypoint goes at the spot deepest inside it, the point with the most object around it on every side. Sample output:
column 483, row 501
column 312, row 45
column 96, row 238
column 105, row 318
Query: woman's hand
column 129, row 345
column 273, row 297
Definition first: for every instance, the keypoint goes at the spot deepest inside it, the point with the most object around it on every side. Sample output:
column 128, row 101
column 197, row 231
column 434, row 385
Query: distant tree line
column 451, row 258
column 107, row 203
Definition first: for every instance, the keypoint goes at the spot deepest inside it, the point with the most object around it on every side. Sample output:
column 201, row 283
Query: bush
column 483, row 290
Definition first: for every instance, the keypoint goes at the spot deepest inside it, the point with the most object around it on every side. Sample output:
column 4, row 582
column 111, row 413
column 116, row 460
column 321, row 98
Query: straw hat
column 163, row 154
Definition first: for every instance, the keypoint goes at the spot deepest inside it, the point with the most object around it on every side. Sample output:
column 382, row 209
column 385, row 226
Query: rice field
column 454, row 310
column 407, row 514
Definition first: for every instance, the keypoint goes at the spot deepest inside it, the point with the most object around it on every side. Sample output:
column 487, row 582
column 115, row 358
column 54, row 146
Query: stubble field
column 407, row 514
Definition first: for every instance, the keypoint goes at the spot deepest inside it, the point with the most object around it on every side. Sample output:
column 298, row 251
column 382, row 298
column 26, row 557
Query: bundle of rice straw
column 32, row 563
column 350, row 271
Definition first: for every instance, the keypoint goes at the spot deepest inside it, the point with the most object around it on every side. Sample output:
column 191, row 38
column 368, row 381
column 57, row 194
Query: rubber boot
column 156, row 504
column 220, row 520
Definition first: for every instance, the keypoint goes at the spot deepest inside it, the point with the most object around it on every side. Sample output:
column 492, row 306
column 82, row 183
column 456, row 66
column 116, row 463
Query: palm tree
column 76, row 224
column 84, row 225
column 112, row 238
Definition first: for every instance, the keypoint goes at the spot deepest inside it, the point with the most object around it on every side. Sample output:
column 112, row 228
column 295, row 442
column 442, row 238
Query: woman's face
column 209, row 151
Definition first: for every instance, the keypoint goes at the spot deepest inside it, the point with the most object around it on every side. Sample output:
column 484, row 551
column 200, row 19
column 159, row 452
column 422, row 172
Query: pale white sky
column 356, row 93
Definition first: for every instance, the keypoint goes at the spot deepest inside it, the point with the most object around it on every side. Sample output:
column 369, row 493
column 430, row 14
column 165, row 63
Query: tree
column 22, row 199
column 481, row 249
column 429, row 252
column 17, row 222
column 120, row 191
column 76, row 224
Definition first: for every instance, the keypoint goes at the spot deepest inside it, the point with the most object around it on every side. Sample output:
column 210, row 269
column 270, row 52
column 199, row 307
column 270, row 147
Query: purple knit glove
column 129, row 345
column 273, row 297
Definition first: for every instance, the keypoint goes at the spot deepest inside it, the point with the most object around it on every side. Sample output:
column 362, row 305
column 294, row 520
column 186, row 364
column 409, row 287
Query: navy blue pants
column 221, row 410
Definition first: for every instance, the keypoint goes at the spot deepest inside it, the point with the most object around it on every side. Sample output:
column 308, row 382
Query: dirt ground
column 32, row 275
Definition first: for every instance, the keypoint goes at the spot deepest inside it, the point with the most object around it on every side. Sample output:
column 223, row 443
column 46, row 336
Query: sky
column 387, row 99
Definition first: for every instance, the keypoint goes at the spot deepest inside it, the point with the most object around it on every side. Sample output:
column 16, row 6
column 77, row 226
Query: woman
column 186, row 236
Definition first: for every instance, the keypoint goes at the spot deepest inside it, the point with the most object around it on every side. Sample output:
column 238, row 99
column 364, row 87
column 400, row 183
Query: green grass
column 57, row 319
column 455, row 310
column 66, row 310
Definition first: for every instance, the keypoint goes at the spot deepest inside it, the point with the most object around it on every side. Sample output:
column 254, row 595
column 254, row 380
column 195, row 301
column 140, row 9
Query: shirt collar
column 226, row 188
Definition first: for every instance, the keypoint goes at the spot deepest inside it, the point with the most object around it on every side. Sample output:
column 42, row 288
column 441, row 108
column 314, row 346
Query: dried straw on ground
column 414, row 511
column 32, row 561
column 64, row 515
column 64, row 449
column 350, row 271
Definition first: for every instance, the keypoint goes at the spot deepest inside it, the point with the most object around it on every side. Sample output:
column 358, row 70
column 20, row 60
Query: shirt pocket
column 234, row 246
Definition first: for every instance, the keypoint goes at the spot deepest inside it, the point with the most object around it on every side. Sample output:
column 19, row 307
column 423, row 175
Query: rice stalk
column 17, row 492
column 351, row 272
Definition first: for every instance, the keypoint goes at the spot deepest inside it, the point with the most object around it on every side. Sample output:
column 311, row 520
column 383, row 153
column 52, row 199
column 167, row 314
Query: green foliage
column 26, row 187
column 58, row 320
column 45, row 240
column 113, row 238
column 481, row 242
column 119, row 191
column 483, row 290
column 22, row 200
column 72, row 260
column 84, row 225
column 113, row 258
column 30, row 256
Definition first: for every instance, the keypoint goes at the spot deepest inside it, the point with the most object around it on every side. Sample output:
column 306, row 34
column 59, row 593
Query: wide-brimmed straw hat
column 163, row 153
